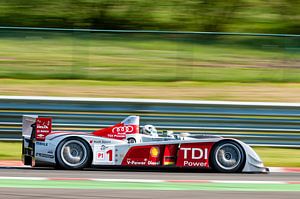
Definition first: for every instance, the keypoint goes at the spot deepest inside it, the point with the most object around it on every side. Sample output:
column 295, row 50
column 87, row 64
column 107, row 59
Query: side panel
column 194, row 155
column 177, row 153
column 44, row 152
column 188, row 155
column 148, row 155
column 104, row 154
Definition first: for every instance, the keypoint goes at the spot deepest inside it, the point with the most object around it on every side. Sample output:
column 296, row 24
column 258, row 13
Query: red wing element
column 128, row 126
column 43, row 128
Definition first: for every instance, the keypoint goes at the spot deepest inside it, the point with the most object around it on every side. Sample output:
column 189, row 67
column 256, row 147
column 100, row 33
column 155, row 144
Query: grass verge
column 10, row 150
column 186, row 90
column 34, row 55
column 283, row 157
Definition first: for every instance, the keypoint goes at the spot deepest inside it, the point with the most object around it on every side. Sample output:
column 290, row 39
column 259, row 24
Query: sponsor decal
column 43, row 155
column 50, row 152
column 194, row 155
column 104, row 154
column 41, row 143
column 154, row 152
column 100, row 156
column 135, row 162
column 103, row 147
column 144, row 156
column 102, row 141
column 122, row 129
column 116, row 136
column 194, row 164
column 40, row 136
column 144, row 162
column 153, row 163
column 117, row 131
column 43, row 128
column 101, row 153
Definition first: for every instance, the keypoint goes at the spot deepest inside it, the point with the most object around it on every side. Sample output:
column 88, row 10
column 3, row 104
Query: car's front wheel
column 227, row 156
column 73, row 153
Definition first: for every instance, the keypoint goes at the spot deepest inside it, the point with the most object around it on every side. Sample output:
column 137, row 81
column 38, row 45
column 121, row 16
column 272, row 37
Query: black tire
column 73, row 153
column 227, row 156
column 131, row 140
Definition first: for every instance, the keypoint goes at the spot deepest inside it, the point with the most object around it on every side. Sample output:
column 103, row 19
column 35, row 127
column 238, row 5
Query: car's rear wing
column 36, row 127
column 28, row 122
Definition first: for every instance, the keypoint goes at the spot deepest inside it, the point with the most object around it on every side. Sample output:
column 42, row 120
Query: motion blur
column 203, row 58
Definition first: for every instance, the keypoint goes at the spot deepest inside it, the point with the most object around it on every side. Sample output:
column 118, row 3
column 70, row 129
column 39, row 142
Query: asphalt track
column 84, row 189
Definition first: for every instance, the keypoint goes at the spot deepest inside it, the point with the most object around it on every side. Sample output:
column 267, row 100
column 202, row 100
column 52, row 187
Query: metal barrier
column 266, row 124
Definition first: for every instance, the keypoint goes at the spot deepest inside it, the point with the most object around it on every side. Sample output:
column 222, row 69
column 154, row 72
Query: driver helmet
column 150, row 130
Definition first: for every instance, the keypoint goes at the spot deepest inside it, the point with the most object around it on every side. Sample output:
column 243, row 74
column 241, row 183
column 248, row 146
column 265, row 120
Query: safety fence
column 140, row 55
column 265, row 124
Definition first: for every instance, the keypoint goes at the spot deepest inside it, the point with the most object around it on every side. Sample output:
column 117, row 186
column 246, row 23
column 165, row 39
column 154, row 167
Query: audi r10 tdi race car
column 126, row 144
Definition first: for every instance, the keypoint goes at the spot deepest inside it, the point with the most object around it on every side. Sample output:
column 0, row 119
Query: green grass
column 10, row 150
column 271, row 156
column 147, row 58
column 284, row 157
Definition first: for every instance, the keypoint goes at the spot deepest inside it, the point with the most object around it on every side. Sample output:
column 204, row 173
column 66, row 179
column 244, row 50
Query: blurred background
column 232, row 50
column 213, row 64
column 276, row 16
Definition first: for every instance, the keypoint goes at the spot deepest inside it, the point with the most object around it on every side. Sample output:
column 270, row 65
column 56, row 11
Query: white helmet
column 150, row 130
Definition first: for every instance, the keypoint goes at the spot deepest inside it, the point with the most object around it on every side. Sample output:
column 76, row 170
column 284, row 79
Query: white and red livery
column 124, row 144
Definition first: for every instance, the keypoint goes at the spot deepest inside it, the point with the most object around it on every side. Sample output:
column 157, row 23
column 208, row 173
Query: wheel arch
column 75, row 138
column 238, row 143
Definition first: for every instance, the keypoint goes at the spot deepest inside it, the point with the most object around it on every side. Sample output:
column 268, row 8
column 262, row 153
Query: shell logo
column 154, row 152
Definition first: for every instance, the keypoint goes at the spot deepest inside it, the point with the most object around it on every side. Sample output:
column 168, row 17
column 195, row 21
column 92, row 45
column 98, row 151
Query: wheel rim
column 73, row 153
column 228, row 156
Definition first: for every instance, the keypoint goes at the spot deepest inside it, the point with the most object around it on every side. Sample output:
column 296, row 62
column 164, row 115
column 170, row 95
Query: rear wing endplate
column 36, row 127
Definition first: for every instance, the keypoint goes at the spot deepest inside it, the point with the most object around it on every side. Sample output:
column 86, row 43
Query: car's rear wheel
column 227, row 156
column 73, row 153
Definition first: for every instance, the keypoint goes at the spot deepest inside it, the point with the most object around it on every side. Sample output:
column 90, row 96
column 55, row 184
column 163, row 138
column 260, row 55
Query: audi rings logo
column 123, row 129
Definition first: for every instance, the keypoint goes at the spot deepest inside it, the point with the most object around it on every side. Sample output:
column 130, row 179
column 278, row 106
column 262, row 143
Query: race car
column 126, row 144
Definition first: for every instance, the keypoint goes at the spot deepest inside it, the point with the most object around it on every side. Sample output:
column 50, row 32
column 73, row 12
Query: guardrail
column 266, row 124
